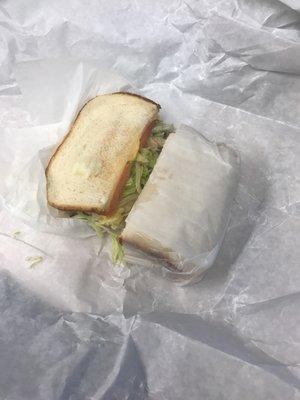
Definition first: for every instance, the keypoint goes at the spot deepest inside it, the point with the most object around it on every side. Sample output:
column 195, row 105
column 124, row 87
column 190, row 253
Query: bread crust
column 108, row 209
column 139, row 244
column 88, row 210
column 55, row 154
column 141, row 97
column 161, row 256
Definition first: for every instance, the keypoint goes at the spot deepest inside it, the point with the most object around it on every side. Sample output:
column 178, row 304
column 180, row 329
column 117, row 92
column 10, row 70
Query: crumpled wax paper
column 73, row 326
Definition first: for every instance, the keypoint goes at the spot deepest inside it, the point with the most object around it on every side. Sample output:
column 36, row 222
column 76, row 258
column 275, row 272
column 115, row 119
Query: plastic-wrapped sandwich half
column 166, row 195
column 181, row 214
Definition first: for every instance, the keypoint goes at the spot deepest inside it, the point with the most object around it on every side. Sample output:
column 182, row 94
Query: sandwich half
column 181, row 215
column 91, row 166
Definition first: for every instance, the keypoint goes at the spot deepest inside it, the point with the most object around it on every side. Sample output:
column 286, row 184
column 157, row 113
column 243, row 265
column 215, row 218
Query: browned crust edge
column 162, row 257
column 141, row 97
column 96, row 210
column 63, row 208
column 118, row 190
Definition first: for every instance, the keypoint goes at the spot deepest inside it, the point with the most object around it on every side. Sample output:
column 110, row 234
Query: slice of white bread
column 181, row 214
column 90, row 167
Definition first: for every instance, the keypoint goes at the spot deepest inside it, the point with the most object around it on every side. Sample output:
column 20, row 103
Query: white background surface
column 76, row 328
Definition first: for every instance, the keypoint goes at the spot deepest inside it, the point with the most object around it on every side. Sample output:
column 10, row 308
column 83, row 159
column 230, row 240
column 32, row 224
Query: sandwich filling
column 126, row 172
column 140, row 171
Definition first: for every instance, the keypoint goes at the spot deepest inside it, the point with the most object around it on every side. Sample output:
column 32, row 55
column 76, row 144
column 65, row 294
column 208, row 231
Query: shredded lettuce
column 140, row 172
column 34, row 260
column 16, row 234
column 117, row 248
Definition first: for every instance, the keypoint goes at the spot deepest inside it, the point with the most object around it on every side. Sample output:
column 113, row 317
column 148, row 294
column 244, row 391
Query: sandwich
column 129, row 175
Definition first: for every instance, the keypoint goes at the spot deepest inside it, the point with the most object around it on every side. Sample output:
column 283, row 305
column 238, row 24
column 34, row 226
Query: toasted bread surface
column 87, row 168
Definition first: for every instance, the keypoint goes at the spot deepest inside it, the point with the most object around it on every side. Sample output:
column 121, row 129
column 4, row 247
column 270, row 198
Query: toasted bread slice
column 90, row 167
column 182, row 212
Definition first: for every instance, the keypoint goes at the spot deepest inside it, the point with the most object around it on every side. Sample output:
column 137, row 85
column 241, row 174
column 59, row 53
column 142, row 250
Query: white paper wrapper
column 66, row 85
column 74, row 327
